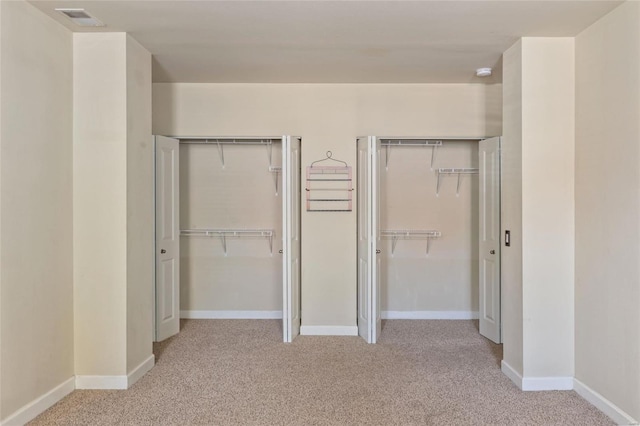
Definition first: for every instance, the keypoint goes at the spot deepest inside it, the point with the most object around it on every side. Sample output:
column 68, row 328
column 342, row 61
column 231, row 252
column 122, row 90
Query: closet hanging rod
column 409, row 234
column 467, row 171
column 410, row 142
column 237, row 141
column 220, row 141
column 429, row 143
column 454, row 171
column 223, row 234
column 210, row 232
column 382, row 139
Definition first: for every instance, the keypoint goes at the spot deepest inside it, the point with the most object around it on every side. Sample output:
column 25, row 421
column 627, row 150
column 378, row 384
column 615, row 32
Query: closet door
column 369, row 321
column 489, row 274
column 291, row 237
column 167, row 235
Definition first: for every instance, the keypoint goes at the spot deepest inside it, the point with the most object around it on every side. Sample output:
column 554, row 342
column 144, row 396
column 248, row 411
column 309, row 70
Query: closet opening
column 428, row 231
column 227, row 230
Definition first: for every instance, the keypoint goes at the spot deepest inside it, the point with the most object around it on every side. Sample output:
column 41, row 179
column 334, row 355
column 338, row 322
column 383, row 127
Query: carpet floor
column 237, row 372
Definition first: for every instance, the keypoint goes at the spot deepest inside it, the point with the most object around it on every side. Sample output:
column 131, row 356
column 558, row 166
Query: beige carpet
column 237, row 372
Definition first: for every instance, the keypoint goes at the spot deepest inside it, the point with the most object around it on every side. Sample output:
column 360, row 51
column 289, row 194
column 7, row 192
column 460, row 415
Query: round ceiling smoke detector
column 483, row 72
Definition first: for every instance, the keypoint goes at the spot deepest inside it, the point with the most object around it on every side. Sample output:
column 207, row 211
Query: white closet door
column 167, row 294
column 291, row 237
column 369, row 320
column 489, row 276
column 376, row 308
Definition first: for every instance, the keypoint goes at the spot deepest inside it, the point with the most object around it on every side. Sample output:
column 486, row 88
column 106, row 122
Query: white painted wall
column 100, row 203
column 608, row 207
column 548, row 134
column 140, row 205
column 328, row 117
column 36, row 204
column 447, row 278
column 511, row 214
column 541, row 114
column 113, row 209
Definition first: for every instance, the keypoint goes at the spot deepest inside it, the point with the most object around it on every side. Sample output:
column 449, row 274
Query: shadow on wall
column 493, row 106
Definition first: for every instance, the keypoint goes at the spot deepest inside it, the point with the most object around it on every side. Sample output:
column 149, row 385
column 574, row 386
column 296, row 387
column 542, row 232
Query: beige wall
column 548, row 134
column 113, row 210
column 512, row 207
column 36, row 199
column 140, row 205
column 447, row 278
column 540, row 114
column 328, row 117
column 100, row 203
column 608, row 208
column 240, row 195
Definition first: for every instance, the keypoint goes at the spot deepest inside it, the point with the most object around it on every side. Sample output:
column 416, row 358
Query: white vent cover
column 81, row 17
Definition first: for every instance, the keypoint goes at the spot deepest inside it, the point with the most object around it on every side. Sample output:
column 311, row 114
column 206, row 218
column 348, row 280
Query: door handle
column 378, row 251
column 492, row 252
column 280, row 251
column 163, row 251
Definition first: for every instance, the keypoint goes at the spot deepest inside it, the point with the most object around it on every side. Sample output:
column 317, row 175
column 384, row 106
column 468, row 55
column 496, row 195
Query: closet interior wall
column 239, row 195
column 445, row 279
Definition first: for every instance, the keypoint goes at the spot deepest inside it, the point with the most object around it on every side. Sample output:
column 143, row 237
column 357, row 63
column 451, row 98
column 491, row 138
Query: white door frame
column 291, row 200
column 373, row 288
column 368, row 306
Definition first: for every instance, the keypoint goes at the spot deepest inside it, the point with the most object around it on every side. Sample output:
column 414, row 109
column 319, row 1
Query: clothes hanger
column 330, row 157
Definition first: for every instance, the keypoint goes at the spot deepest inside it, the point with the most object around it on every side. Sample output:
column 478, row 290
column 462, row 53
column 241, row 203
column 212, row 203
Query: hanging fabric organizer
column 329, row 187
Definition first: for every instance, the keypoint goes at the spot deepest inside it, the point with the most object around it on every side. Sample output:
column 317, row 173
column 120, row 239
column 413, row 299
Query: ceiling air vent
column 81, row 17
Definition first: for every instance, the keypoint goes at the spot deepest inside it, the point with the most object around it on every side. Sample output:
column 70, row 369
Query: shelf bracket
column 410, row 142
column 224, row 243
column 433, row 154
column 275, row 179
column 235, row 233
column 276, row 171
column 387, row 157
column 408, row 234
column 459, row 172
column 220, row 152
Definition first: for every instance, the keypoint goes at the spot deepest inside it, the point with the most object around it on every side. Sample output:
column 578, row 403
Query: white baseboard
column 512, row 374
column 431, row 315
column 115, row 382
column 140, row 370
column 536, row 383
column 329, row 330
column 547, row 383
column 40, row 405
column 101, row 382
column 231, row 314
column 603, row 404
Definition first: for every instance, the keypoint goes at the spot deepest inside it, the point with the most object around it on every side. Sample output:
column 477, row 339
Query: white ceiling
column 332, row 41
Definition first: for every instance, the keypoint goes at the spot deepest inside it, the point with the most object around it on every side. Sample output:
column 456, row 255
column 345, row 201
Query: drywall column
column 36, row 307
column 140, row 210
column 511, row 213
column 607, row 213
column 539, row 98
column 111, row 148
